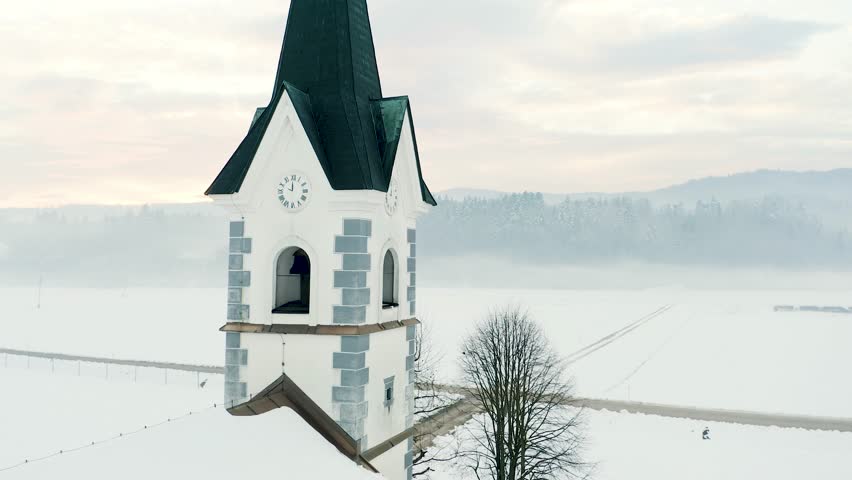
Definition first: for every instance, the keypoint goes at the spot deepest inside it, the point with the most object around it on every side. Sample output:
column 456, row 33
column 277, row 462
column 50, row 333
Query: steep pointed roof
column 328, row 68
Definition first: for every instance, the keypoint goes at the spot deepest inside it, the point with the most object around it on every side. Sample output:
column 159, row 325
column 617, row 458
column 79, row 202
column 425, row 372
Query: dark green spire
column 328, row 53
column 328, row 67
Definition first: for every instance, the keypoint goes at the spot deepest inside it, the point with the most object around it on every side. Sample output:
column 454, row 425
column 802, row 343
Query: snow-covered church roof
column 44, row 413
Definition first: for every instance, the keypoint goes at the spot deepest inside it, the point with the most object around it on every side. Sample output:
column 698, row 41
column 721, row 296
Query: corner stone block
column 232, row 340
column 412, row 250
column 355, row 378
column 235, row 262
column 354, row 429
column 357, row 262
column 345, row 315
column 352, row 412
column 235, row 295
column 350, row 244
column 239, row 279
column 348, row 394
column 232, row 373
column 410, row 332
column 355, row 344
column 240, row 245
column 412, row 294
column 350, row 279
column 238, row 312
column 235, row 391
column 238, row 229
column 236, row 357
column 357, row 227
column 409, row 362
column 356, row 296
column 412, row 235
column 412, row 265
column 349, row 361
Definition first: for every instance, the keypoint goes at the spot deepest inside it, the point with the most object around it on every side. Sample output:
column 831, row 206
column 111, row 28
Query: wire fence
column 110, row 368
column 119, row 436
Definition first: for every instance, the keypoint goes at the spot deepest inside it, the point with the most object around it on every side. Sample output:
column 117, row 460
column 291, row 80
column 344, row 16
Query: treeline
column 768, row 232
column 144, row 246
column 152, row 246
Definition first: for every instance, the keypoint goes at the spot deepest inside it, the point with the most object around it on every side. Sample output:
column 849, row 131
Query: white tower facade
column 323, row 197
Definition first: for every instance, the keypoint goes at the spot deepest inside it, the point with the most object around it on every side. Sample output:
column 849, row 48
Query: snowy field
column 712, row 348
column 46, row 412
column 624, row 446
column 43, row 413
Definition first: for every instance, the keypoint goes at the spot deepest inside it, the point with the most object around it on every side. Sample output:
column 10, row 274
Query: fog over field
column 760, row 229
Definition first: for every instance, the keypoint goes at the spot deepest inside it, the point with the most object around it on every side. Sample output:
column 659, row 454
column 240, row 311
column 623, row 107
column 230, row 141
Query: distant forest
column 153, row 246
column 767, row 232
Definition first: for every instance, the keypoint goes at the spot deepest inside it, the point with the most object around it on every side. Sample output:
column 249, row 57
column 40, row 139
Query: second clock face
column 392, row 197
column 294, row 192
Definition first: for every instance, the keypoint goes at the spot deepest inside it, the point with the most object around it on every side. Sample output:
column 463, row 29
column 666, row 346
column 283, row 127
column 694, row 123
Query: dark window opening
column 389, row 299
column 293, row 282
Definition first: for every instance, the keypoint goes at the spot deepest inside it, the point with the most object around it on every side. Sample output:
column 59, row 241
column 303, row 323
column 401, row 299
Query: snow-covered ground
column 713, row 348
column 43, row 413
column 624, row 446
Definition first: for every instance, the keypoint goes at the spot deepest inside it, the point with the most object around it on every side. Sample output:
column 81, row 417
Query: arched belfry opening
column 389, row 290
column 293, row 282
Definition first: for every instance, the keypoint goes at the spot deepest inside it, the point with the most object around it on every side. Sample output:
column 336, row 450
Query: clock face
column 392, row 197
column 294, row 192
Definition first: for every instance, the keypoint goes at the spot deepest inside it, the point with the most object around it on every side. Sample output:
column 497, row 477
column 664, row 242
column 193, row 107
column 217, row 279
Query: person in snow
column 705, row 435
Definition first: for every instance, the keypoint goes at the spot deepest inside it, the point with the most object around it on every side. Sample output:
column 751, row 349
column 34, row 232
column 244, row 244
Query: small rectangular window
column 388, row 400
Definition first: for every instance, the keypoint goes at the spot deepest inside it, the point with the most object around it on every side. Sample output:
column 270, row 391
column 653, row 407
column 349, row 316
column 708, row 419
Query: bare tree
column 430, row 400
column 527, row 430
column 429, row 397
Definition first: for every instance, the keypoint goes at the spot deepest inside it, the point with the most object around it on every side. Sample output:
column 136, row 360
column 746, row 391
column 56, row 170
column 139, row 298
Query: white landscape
column 723, row 349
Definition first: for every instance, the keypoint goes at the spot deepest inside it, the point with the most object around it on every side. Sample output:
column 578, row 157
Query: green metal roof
column 328, row 68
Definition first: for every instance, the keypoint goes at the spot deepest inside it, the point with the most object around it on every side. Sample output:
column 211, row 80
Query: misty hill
column 802, row 221
column 826, row 193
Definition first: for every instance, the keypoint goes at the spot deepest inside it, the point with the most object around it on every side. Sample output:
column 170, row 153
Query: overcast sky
column 105, row 101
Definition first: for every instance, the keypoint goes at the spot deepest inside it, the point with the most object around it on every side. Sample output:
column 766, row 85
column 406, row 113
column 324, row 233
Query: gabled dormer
column 328, row 69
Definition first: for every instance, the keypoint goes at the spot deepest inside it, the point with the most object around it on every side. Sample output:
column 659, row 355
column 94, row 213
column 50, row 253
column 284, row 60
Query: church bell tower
column 323, row 196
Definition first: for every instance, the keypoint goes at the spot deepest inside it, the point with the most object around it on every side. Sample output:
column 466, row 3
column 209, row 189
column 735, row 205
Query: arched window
column 389, row 299
column 293, row 282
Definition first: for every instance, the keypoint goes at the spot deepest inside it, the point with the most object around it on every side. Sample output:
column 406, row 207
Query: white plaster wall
column 391, row 464
column 286, row 149
column 308, row 362
column 265, row 355
column 386, row 358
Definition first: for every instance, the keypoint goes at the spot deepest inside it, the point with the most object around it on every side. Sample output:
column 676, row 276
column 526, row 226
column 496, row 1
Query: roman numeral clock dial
column 392, row 197
column 294, row 192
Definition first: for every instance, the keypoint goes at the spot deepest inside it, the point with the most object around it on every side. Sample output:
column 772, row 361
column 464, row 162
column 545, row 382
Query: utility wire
column 122, row 435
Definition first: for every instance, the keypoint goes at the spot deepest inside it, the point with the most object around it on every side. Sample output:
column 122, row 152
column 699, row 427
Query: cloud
column 739, row 39
column 125, row 102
